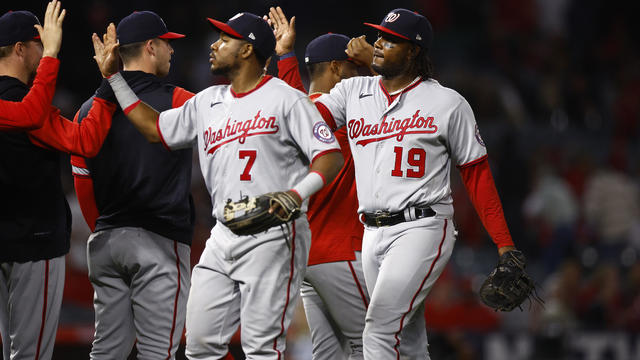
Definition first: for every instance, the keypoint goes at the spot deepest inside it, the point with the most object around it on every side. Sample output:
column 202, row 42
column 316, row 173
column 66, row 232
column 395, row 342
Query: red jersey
column 336, row 231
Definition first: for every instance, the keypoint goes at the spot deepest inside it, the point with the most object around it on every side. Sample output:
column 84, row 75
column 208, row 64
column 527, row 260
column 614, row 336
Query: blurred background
column 555, row 86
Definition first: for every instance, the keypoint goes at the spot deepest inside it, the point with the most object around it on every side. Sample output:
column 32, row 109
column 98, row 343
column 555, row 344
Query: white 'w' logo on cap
column 251, row 36
column 392, row 17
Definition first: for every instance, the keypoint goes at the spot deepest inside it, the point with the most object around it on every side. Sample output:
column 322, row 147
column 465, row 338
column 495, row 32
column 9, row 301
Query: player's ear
column 246, row 50
column 20, row 48
column 334, row 66
column 149, row 47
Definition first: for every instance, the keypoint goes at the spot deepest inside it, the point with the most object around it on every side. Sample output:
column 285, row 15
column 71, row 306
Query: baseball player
column 333, row 291
column 254, row 136
column 31, row 111
column 35, row 220
column 405, row 130
column 135, row 198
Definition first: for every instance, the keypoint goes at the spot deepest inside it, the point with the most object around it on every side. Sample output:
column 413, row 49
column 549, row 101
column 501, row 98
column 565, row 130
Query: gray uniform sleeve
column 178, row 127
column 308, row 129
column 465, row 142
column 336, row 102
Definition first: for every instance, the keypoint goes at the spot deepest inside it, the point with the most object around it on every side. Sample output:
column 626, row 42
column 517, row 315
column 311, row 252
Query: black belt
column 385, row 218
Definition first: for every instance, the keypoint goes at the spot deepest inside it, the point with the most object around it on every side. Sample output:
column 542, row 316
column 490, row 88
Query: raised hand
column 284, row 31
column 51, row 32
column 360, row 51
column 107, row 55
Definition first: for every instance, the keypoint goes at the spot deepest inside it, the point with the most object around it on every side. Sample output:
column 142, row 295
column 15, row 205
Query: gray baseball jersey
column 406, row 142
column 403, row 145
column 249, row 144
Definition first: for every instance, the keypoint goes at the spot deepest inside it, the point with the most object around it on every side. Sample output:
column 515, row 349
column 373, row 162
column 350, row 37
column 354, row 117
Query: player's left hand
column 278, row 209
column 360, row 51
column 107, row 53
column 283, row 29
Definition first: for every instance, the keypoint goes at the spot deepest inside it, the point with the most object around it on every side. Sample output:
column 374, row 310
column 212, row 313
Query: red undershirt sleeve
column 84, row 139
column 180, row 96
column 83, row 184
column 289, row 72
column 31, row 112
column 482, row 191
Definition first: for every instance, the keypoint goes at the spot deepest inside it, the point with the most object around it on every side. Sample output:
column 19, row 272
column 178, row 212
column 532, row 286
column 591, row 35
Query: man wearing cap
column 135, row 197
column 31, row 111
column 35, row 221
column 333, row 290
column 405, row 130
column 254, row 136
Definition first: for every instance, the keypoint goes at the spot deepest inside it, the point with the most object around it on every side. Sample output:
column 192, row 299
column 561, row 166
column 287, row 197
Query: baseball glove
column 508, row 285
column 251, row 215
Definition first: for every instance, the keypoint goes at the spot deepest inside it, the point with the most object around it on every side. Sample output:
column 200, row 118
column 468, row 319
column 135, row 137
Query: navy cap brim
column 225, row 28
column 388, row 31
column 171, row 35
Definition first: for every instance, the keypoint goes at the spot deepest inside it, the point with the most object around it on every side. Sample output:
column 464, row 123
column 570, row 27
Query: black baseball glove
column 251, row 215
column 508, row 285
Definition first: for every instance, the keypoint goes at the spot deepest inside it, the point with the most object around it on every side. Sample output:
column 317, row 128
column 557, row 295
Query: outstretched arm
column 141, row 115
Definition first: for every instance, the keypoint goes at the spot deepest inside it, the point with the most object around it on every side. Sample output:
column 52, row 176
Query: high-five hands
column 107, row 53
column 51, row 32
column 283, row 29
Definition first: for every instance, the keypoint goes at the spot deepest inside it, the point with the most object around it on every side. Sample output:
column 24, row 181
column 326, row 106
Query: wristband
column 309, row 185
column 287, row 55
column 126, row 97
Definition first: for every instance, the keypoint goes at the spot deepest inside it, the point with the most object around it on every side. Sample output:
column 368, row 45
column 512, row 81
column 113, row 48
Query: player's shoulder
column 212, row 92
column 281, row 87
column 441, row 93
column 360, row 82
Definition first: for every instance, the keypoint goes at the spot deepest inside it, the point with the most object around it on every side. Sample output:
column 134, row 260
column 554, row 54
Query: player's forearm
column 322, row 172
column 328, row 165
column 145, row 119
column 482, row 191
column 31, row 112
column 141, row 115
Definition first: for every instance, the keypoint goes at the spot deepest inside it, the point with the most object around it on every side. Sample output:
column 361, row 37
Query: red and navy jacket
column 35, row 221
column 131, row 182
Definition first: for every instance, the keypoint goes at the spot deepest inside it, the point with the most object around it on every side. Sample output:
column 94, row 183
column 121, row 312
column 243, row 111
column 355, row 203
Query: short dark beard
column 228, row 69
column 390, row 71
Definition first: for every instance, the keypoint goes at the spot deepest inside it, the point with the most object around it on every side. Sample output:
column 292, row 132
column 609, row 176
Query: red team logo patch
column 322, row 132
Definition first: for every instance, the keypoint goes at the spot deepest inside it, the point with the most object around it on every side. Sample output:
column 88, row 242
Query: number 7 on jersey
column 251, row 156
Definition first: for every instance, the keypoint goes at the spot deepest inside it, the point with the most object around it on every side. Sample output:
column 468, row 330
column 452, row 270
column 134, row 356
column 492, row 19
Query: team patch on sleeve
column 322, row 132
column 478, row 136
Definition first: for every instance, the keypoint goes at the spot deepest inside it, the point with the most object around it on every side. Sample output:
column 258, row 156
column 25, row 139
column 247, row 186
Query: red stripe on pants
column 44, row 306
column 175, row 302
column 293, row 255
column 444, row 234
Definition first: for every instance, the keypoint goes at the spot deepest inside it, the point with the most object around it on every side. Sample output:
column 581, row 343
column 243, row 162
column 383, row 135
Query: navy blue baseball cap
column 142, row 26
column 17, row 26
column 251, row 28
column 407, row 25
column 326, row 47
